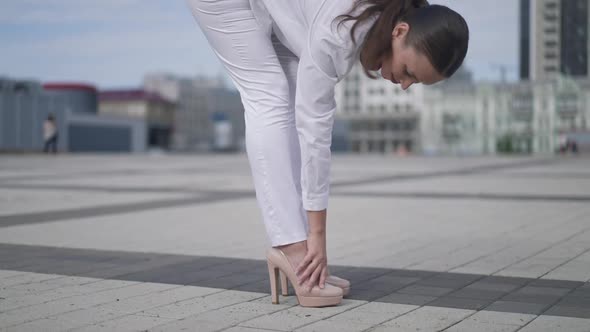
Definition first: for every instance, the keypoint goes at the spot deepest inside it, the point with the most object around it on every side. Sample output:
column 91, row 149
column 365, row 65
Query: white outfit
column 285, row 58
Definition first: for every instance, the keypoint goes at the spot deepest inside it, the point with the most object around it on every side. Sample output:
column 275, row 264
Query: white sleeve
column 314, row 109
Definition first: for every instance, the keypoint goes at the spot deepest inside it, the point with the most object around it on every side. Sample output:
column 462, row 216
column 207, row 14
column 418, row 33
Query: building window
column 550, row 43
column 550, row 17
column 550, row 56
column 551, row 30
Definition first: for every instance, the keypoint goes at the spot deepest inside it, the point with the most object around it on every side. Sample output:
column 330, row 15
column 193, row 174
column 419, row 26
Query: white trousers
column 265, row 73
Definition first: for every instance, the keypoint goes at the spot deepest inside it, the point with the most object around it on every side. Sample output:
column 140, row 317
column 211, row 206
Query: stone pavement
column 167, row 243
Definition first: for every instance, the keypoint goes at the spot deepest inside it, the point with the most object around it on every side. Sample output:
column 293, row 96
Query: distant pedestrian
column 563, row 143
column 50, row 134
column 574, row 146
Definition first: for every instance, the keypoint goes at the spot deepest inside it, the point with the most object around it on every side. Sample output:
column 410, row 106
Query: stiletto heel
column 316, row 297
column 273, row 273
column 284, row 285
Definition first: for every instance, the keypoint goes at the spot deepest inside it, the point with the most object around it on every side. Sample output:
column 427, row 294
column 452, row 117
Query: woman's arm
column 315, row 107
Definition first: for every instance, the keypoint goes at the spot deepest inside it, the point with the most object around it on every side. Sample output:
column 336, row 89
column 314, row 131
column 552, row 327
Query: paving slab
column 171, row 242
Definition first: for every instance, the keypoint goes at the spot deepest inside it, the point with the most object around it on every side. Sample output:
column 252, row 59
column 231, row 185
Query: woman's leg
column 246, row 50
column 290, row 62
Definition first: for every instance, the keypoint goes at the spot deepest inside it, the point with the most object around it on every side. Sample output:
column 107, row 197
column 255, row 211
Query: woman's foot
column 295, row 253
column 339, row 282
column 331, row 279
column 277, row 262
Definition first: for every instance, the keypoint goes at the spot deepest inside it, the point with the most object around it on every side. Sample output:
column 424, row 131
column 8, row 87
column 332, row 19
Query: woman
column 285, row 58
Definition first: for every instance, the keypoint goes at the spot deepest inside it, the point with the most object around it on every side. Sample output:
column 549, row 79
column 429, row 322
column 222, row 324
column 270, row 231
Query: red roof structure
column 131, row 95
column 69, row 86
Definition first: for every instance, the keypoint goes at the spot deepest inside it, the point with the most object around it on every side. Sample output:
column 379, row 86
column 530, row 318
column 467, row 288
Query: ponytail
column 427, row 24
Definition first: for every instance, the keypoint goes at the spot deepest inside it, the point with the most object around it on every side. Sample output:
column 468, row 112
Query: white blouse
column 326, row 54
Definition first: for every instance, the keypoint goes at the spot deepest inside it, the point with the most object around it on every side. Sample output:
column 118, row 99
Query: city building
column 209, row 116
column 375, row 116
column 156, row 111
column 25, row 104
column 491, row 118
column 460, row 116
column 554, row 39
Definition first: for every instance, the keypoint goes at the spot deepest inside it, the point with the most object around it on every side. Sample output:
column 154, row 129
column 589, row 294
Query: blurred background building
column 150, row 108
column 169, row 113
column 25, row 104
column 463, row 117
column 379, row 117
column 209, row 116
column 460, row 116
column 553, row 38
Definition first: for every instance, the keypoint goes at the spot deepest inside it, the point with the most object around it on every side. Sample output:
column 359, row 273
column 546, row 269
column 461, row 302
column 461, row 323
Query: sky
column 114, row 43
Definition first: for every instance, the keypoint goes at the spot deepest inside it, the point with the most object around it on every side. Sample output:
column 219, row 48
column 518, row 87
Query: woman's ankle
column 293, row 247
column 294, row 251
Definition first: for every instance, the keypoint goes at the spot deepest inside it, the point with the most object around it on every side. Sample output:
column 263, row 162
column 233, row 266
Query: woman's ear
column 400, row 30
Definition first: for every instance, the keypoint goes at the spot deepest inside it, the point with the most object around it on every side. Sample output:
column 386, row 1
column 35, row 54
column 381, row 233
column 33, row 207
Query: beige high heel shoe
column 317, row 297
column 331, row 279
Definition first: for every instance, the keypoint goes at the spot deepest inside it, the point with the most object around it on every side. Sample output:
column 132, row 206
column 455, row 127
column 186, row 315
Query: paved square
column 166, row 243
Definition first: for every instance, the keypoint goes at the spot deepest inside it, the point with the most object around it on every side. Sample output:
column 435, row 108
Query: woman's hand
column 313, row 268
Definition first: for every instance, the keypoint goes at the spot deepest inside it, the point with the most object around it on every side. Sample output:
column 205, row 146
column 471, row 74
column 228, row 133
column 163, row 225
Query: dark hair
column 436, row 31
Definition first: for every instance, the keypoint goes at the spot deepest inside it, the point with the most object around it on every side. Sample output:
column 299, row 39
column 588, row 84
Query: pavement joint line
column 63, row 276
column 214, row 265
column 459, row 171
column 74, row 295
column 533, row 295
column 336, row 314
column 467, row 195
column 573, row 219
column 106, row 303
column 538, row 175
column 400, row 315
column 558, row 300
column 456, row 249
column 207, row 311
column 370, row 180
column 66, row 286
column 466, row 317
column 514, row 291
column 527, row 323
column 361, row 276
column 450, row 237
column 66, row 312
column 567, row 261
column 547, row 248
column 113, row 209
column 130, row 190
column 61, row 215
column 133, row 171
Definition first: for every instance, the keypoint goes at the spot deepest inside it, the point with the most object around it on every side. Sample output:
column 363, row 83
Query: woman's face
column 406, row 66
